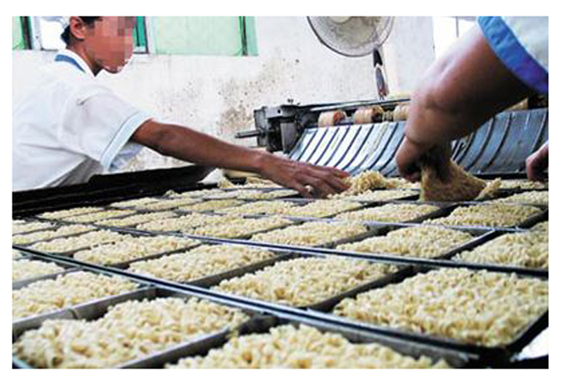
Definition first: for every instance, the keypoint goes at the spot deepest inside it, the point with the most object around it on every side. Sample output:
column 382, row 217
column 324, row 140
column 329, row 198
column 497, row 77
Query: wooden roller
column 520, row 106
column 401, row 112
column 366, row 115
column 331, row 118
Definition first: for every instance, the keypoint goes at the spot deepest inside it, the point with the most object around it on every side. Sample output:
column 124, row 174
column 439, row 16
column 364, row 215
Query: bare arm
column 537, row 163
column 193, row 146
column 460, row 91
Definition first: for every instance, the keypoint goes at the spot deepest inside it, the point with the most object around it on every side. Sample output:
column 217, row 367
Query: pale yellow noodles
column 381, row 195
column 522, row 184
column 130, row 221
column 212, row 205
column 90, row 239
column 532, row 197
column 131, row 247
column 422, row 242
column 480, row 308
column 21, row 226
column 128, row 331
column 363, row 182
column 311, row 234
column 320, row 208
column 50, row 234
column 241, row 227
column 165, row 204
column 24, row 269
column 69, row 212
column 200, row 262
column 250, row 194
column 305, row 281
column 183, row 223
column 65, row 291
column 302, row 348
column 491, row 215
column 526, row 249
column 134, row 202
column 194, row 193
column 98, row 216
column 389, row 213
column 258, row 208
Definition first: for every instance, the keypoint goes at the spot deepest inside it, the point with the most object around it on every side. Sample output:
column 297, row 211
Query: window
column 224, row 36
column 229, row 36
column 447, row 29
column 45, row 34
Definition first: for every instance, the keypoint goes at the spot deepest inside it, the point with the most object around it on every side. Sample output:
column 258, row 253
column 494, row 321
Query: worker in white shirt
column 71, row 127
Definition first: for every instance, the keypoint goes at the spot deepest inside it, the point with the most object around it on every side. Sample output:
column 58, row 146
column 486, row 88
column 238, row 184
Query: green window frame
column 140, row 36
column 147, row 37
column 211, row 36
column 20, row 33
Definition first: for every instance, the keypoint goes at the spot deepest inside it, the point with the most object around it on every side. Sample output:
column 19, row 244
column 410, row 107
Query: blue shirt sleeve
column 517, row 47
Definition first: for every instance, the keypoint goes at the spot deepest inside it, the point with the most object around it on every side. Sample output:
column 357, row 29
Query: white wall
column 218, row 94
column 408, row 52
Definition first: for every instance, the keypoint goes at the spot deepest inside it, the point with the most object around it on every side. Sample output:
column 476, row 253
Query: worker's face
column 109, row 42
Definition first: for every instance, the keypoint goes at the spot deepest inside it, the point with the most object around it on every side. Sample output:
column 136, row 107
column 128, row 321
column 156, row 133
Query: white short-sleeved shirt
column 70, row 127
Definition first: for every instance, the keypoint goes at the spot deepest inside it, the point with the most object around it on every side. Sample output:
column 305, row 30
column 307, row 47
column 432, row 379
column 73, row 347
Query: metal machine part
column 279, row 128
column 498, row 147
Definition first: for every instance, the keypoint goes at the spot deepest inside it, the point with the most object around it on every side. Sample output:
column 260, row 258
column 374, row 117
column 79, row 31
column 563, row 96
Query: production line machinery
column 312, row 133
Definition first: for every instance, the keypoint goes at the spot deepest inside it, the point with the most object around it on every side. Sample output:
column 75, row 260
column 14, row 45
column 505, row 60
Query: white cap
column 63, row 20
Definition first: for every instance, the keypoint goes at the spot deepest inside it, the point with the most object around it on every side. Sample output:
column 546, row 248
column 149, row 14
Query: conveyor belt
column 499, row 147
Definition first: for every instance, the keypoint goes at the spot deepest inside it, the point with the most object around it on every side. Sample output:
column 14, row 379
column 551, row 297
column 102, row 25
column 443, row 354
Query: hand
column 537, row 163
column 411, row 156
column 297, row 175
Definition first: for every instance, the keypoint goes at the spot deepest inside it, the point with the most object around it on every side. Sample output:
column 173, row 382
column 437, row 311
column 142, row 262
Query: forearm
column 460, row 92
column 193, row 146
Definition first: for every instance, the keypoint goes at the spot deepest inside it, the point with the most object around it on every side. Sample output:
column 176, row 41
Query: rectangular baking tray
column 542, row 215
column 214, row 279
column 262, row 324
column 304, row 201
column 442, row 208
column 264, row 190
column 399, row 274
column 20, row 283
column 57, row 237
column 32, row 220
column 494, row 266
column 134, row 233
column 373, row 231
column 493, row 355
column 96, row 309
column 40, row 318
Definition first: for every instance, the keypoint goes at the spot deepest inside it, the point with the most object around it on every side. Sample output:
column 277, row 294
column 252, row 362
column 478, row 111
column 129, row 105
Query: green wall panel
column 197, row 35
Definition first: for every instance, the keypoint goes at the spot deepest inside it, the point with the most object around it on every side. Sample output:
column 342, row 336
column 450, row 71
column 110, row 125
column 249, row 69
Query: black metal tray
column 386, row 279
column 96, row 309
column 21, row 283
column 542, row 215
column 262, row 324
column 492, row 355
column 26, row 322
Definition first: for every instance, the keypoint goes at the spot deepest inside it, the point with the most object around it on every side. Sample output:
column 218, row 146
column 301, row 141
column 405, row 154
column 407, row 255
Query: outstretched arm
column 460, row 91
column 193, row 146
column 537, row 163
